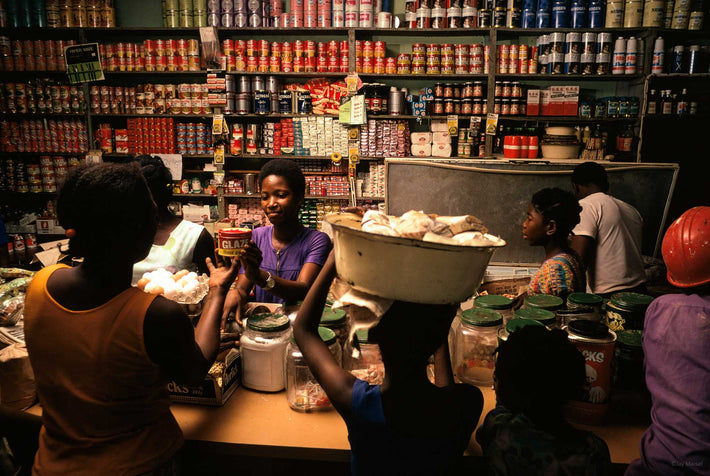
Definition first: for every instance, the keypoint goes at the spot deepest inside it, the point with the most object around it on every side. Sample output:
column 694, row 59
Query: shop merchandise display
column 475, row 345
column 263, row 346
column 299, row 56
column 13, row 284
column 181, row 54
column 432, row 58
column 41, row 96
column 33, row 55
column 51, row 135
column 183, row 98
column 57, row 14
column 35, row 175
column 366, row 362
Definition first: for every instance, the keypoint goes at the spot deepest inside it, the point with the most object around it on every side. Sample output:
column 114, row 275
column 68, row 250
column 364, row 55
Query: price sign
column 491, row 124
column 83, row 63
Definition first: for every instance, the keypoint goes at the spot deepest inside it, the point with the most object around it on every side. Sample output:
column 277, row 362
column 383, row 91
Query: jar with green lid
column 627, row 310
column 363, row 359
column 628, row 360
column 476, row 342
column 588, row 306
column 513, row 325
column 543, row 301
column 543, row 316
column 303, row 391
column 337, row 321
column 263, row 347
column 496, row 302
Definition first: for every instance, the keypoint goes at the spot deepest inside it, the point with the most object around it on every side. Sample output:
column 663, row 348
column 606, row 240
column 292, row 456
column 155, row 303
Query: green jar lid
column 544, row 301
column 268, row 322
column 631, row 301
column 630, row 338
column 482, row 317
column 332, row 317
column 362, row 335
column 543, row 316
column 585, row 299
column 518, row 323
column 493, row 301
column 326, row 335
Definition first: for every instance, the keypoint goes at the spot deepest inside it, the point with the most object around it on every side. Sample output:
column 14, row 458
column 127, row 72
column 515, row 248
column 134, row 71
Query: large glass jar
column 512, row 326
column 365, row 363
column 589, row 306
column 543, row 316
column 544, row 301
column 303, row 391
column 337, row 321
column 498, row 303
column 476, row 342
column 263, row 347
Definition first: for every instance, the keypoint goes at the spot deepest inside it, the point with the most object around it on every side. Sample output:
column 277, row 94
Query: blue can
column 262, row 102
column 542, row 16
column 528, row 19
column 305, row 106
column 285, row 100
column 578, row 14
column 560, row 14
column 595, row 19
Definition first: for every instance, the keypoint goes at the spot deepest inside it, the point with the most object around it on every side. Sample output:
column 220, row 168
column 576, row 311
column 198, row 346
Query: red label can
column 231, row 240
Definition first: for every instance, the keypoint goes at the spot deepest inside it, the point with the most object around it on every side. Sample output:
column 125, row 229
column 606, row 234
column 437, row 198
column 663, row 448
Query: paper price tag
column 452, row 123
column 83, row 63
column 491, row 124
column 219, row 154
column 218, row 124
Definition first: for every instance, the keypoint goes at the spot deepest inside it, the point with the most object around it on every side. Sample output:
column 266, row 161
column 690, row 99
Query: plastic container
column 496, row 302
column 263, row 347
column 543, row 316
column 596, row 343
column 337, row 321
column 303, row 391
column 627, row 310
column 628, row 361
column 476, row 342
column 364, row 363
column 232, row 240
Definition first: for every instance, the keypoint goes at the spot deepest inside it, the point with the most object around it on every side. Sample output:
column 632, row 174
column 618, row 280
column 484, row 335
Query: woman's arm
column 184, row 353
column 204, row 248
column 337, row 383
column 443, row 374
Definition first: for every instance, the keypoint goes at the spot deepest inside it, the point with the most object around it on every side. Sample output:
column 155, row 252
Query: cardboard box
column 49, row 226
column 557, row 101
column 533, row 102
column 214, row 389
column 545, row 102
column 510, row 286
column 571, row 101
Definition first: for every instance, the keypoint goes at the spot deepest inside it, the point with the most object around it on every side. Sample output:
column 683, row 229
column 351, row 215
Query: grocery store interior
column 455, row 108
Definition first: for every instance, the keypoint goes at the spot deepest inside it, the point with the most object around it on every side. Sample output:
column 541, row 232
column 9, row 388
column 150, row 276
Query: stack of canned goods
column 613, row 107
column 509, row 99
column 151, row 135
column 33, row 55
column 193, row 138
column 21, row 248
column 298, row 56
column 327, row 185
column 574, row 53
column 48, row 135
column 36, row 176
column 186, row 13
column 385, row 138
column 432, row 58
column 58, row 14
column 459, row 98
column 441, row 14
column 181, row 54
column 41, row 96
column 182, row 98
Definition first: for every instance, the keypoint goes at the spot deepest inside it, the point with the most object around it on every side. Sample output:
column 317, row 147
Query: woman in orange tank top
column 103, row 351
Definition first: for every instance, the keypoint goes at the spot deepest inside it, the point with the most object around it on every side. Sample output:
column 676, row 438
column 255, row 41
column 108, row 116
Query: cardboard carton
column 214, row 389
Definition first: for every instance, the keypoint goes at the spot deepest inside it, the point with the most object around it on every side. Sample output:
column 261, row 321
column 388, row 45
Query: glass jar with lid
column 363, row 359
column 476, row 342
column 591, row 304
column 337, row 321
column 513, row 325
column 544, row 301
column 263, row 347
column 303, row 391
column 627, row 310
column 628, row 360
column 543, row 316
column 496, row 302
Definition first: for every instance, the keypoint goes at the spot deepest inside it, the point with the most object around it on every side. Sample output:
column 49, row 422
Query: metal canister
column 262, row 102
column 627, row 310
column 396, row 101
column 285, row 101
column 242, row 102
column 274, row 84
column 305, row 106
column 258, row 83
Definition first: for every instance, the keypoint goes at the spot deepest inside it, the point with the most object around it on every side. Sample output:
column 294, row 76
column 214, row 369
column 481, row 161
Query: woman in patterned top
column 551, row 216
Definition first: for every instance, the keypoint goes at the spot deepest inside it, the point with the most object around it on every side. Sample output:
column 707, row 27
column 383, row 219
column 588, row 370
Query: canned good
column 627, row 310
column 230, row 241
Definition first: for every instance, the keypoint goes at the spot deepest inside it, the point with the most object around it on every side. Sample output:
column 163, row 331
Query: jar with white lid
column 364, row 362
column 263, row 347
column 303, row 391
column 476, row 342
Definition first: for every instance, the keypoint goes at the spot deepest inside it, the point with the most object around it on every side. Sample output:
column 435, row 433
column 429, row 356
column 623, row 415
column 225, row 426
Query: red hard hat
column 686, row 248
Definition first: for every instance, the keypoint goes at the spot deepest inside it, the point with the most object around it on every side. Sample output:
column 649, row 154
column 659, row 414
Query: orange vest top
column 105, row 407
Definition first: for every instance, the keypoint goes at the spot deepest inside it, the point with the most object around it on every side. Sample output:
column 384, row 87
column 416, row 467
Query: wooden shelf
column 40, row 115
column 502, row 32
column 424, row 31
column 125, row 74
column 570, row 77
column 310, row 74
column 679, row 76
column 175, row 116
column 195, row 195
column 308, row 197
column 566, row 119
column 461, row 77
column 32, row 154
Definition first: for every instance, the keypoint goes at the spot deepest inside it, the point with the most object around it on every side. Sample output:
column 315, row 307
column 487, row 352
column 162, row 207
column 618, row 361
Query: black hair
column 111, row 209
column 559, row 205
column 538, row 371
column 591, row 173
column 159, row 179
column 287, row 169
column 412, row 331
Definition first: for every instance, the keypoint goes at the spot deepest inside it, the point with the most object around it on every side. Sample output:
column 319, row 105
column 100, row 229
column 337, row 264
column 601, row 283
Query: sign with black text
column 83, row 63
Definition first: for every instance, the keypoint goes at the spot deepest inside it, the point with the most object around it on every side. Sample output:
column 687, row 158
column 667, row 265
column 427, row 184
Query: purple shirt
column 676, row 343
column 310, row 246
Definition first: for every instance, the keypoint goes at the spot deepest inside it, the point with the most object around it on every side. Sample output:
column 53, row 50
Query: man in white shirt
column 608, row 237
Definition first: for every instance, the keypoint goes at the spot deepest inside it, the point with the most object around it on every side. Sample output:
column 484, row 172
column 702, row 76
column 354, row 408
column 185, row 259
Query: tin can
column 627, row 310
column 230, row 241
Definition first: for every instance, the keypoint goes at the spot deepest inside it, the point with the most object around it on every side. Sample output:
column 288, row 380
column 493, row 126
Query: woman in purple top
column 283, row 259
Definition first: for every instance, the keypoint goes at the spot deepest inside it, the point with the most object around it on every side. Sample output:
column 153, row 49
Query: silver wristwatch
column 270, row 282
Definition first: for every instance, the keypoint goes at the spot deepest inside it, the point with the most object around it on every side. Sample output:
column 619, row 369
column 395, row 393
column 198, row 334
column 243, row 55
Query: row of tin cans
column 40, row 97
column 265, row 102
column 151, row 135
column 287, row 49
column 152, row 47
column 24, row 176
column 193, row 138
column 52, row 135
column 32, row 55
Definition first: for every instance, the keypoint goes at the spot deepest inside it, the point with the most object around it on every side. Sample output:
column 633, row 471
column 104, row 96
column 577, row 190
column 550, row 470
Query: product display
column 41, row 96
column 33, row 55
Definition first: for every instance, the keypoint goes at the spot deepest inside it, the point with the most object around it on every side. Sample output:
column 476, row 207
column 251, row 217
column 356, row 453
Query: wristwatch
column 270, row 282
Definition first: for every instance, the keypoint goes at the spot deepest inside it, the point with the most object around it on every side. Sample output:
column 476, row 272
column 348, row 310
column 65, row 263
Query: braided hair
column 559, row 205
column 159, row 178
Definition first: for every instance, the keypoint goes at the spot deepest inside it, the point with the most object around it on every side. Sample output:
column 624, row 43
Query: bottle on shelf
column 658, row 56
column 624, row 142
column 681, row 107
column 652, row 103
column 666, row 102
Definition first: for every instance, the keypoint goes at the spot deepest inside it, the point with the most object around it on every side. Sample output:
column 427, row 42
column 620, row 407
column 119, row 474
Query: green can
column 627, row 310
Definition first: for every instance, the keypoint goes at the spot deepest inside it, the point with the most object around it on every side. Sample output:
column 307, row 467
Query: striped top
column 560, row 275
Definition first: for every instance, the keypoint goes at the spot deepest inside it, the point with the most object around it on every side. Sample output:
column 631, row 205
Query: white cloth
column 617, row 229
column 175, row 255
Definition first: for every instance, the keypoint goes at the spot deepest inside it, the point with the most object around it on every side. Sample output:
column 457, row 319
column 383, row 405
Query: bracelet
column 233, row 285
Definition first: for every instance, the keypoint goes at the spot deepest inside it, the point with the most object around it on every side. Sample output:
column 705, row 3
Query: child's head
column 552, row 214
column 411, row 332
column 108, row 213
column 159, row 179
column 538, row 371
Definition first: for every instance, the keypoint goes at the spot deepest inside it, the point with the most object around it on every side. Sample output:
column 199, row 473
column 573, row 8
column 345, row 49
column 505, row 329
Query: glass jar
column 303, row 391
column 628, row 360
column 263, row 347
column 544, row 301
column 496, row 302
column 476, row 342
column 337, row 321
column 591, row 303
column 543, row 316
column 626, row 310
column 513, row 325
column 364, row 363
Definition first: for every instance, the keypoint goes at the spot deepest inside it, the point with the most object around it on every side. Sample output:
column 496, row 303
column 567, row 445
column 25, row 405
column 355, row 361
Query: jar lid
column 630, row 338
column 631, row 301
column 543, row 316
column 235, row 232
column 482, row 317
column 362, row 335
column 326, row 335
column 268, row 322
column 518, row 323
column 332, row 317
column 589, row 329
column 585, row 299
column 493, row 301
column 544, row 301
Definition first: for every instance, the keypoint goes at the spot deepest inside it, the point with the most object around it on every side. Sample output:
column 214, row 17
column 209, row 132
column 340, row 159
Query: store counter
column 263, row 425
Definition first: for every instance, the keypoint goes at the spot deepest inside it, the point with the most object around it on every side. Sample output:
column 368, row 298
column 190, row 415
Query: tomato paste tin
column 596, row 343
column 231, row 240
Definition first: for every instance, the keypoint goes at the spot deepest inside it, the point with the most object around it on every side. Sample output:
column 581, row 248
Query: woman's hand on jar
column 223, row 274
column 251, row 258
